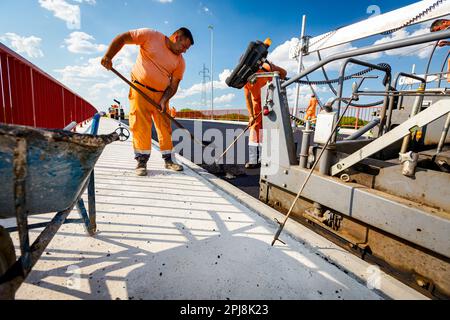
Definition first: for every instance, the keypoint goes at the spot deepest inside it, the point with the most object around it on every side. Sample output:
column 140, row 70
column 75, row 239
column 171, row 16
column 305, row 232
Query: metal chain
column 416, row 18
column 327, row 35
column 406, row 24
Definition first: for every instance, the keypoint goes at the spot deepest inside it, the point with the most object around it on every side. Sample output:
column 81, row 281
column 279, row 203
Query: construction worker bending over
column 311, row 109
column 158, row 70
column 252, row 93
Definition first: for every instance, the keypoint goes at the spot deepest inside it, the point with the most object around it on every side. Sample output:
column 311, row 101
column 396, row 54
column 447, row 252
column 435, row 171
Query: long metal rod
column 443, row 135
column 431, row 58
column 442, row 69
column 384, row 69
column 70, row 126
column 283, row 224
column 363, row 130
column 401, row 94
column 330, row 85
column 238, row 137
column 372, row 49
column 212, row 71
column 407, row 75
column 157, row 106
column 392, row 99
column 300, row 64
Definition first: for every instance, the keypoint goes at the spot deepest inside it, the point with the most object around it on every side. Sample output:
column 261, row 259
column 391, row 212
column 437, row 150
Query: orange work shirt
column 156, row 64
column 254, row 89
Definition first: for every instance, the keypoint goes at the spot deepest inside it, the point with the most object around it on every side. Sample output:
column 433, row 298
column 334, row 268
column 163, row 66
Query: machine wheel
column 7, row 259
column 124, row 134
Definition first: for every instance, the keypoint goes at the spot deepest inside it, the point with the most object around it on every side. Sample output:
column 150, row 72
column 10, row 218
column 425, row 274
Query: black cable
column 358, row 74
column 326, row 75
column 329, row 83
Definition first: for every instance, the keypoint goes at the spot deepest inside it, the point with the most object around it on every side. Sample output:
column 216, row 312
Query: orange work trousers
column 253, row 99
column 141, row 115
column 310, row 114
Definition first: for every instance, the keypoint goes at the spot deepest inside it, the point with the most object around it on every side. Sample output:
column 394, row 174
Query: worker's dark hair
column 437, row 23
column 185, row 32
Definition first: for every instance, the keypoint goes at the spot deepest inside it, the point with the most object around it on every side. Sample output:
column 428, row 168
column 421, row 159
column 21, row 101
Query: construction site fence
column 31, row 97
column 355, row 117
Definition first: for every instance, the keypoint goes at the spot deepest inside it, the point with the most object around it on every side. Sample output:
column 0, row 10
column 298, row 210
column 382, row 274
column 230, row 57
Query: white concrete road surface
column 178, row 236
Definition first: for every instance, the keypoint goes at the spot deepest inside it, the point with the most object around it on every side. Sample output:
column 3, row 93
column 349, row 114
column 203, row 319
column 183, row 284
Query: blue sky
column 67, row 38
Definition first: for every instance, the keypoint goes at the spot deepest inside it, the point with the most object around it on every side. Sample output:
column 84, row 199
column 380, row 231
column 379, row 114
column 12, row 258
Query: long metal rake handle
column 157, row 106
column 238, row 137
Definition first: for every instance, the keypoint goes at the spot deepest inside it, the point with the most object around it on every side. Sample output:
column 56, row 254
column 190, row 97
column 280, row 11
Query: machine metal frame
column 416, row 223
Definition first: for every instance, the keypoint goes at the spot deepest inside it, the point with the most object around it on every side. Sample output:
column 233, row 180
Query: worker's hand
column 107, row 63
column 164, row 106
column 251, row 119
column 443, row 43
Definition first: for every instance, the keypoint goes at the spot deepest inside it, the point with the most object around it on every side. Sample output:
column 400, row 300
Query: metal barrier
column 224, row 114
column 31, row 97
column 356, row 117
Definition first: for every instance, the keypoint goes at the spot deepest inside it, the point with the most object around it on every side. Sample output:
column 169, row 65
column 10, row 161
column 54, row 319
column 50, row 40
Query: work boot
column 252, row 165
column 141, row 168
column 253, row 162
column 170, row 164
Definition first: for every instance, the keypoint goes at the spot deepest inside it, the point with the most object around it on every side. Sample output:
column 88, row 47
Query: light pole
column 212, row 71
column 300, row 62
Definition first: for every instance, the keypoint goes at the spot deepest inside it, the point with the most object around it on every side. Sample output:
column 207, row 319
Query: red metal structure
column 31, row 97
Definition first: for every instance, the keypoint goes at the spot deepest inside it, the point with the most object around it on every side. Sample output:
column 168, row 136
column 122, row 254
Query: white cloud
column 165, row 1
column 225, row 98
column 281, row 56
column 64, row 11
column 304, row 95
column 92, row 70
column 91, row 2
column 87, row 72
column 198, row 87
column 202, row 9
column 224, row 75
column 96, row 82
column 420, row 51
column 29, row 45
column 80, row 42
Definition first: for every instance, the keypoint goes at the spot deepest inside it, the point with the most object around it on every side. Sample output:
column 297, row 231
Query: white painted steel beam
column 430, row 114
column 379, row 24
